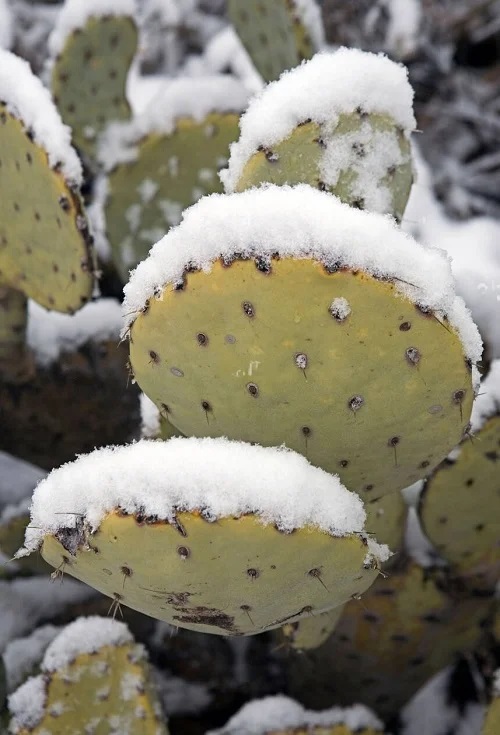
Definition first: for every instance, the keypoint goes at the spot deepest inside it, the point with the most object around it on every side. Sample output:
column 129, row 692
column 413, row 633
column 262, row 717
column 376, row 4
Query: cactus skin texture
column 89, row 78
column 386, row 519
column 16, row 364
column 223, row 354
column 456, row 509
column 312, row 632
column 44, row 239
column 404, row 623
column 272, row 33
column 12, row 534
column 232, row 577
column 358, row 139
column 171, row 172
column 101, row 693
column 491, row 724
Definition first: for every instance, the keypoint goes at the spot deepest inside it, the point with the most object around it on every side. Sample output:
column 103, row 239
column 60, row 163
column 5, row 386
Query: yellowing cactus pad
column 102, row 691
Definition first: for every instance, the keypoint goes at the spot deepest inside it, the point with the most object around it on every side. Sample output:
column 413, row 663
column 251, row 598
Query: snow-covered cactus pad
column 173, row 153
column 280, row 715
column 94, row 679
column 280, row 315
column 44, row 238
column 456, row 507
column 92, row 47
column 491, row 724
column 278, row 34
column 244, row 538
column 341, row 123
column 406, row 628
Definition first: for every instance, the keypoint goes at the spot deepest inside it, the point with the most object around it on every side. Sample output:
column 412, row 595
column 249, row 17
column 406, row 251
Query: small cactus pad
column 491, row 725
column 341, row 122
column 169, row 173
column 16, row 364
column 405, row 623
column 331, row 361
column 280, row 715
column 386, row 519
column 89, row 684
column 44, row 238
column 237, row 553
column 458, row 502
column 278, row 34
column 89, row 72
column 310, row 632
column 12, row 532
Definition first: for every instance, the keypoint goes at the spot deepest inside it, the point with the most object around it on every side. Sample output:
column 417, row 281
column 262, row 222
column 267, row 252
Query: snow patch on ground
column 301, row 222
column 321, row 90
column 224, row 478
column 29, row 101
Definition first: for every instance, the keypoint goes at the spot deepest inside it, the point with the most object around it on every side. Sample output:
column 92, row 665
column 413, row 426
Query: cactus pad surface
column 89, row 75
column 311, row 632
column 274, row 34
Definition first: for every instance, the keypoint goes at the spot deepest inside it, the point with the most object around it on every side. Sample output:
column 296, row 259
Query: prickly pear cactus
column 310, row 632
column 94, row 679
column 385, row 519
column 330, row 361
column 405, row 623
column 278, row 34
column 305, row 130
column 12, row 532
column 44, row 238
column 15, row 363
column 92, row 51
column 457, row 501
column 175, row 161
column 231, row 572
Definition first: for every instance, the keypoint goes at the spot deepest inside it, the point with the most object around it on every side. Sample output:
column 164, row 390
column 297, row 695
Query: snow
column 85, row 635
column 301, row 222
column 280, row 712
column 150, row 418
column 27, row 705
column 180, row 697
column 226, row 51
column 405, row 17
column 224, row 478
column 29, row 101
column 75, row 14
column 23, row 654
column 50, row 334
column 321, row 90
column 6, row 25
column 17, row 479
column 472, row 247
column 487, row 403
column 309, row 13
column 496, row 683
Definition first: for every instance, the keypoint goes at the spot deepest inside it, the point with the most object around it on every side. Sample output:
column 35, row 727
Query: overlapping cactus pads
column 244, row 538
column 44, row 238
column 280, row 315
column 341, row 123
column 278, row 34
column 94, row 679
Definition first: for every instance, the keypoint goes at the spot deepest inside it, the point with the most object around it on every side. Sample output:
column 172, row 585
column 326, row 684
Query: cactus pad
column 169, row 173
column 89, row 75
column 104, row 689
column 386, row 520
column 456, row 508
column 405, row 623
column 16, row 364
column 12, row 531
column 310, row 632
column 44, row 240
column 274, row 33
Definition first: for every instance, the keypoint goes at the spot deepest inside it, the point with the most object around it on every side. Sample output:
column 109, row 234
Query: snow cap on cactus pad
column 458, row 498
column 45, row 245
column 99, row 37
column 308, row 323
column 165, row 160
column 246, row 537
column 280, row 715
column 341, row 123
column 92, row 675
column 278, row 34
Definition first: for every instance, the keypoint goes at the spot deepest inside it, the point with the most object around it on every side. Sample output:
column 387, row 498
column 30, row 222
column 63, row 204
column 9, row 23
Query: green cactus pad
column 232, row 577
column 404, row 623
column 89, row 75
column 44, row 239
column 16, row 363
column 456, row 508
column 12, row 533
column 491, row 724
column 147, row 196
column 310, row 632
column 359, row 146
column 102, row 691
column 386, row 520
column 223, row 355
column 273, row 33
